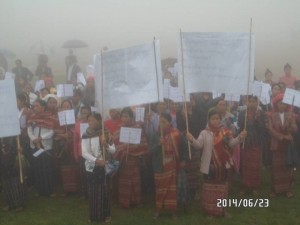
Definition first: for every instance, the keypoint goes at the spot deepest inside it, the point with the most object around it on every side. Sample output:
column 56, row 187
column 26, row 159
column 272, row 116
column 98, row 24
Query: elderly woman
column 281, row 126
column 97, row 148
column 40, row 132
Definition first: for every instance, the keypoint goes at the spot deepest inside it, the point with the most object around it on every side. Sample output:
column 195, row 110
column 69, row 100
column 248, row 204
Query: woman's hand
column 243, row 134
column 189, row 137
column 100, row 162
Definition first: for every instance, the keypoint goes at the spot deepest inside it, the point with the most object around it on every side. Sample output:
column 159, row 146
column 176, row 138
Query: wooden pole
column 249, row 73
column 19, row 159
column 184, row 95
column 102, row 106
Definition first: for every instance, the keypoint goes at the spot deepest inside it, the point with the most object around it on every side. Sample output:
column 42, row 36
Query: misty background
column 123, row 23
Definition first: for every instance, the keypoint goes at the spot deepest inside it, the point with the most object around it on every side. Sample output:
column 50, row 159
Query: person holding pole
column 13, row 188
column 95, row 146
column 251, row 153
column 216, row 158
column 282, row 126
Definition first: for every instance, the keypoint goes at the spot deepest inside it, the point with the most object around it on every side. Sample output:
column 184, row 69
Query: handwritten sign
column 262, row 91
column 39, row 84
column 130, row 135
column 66, row 117
column 64, row 90
column 139, row 114
column 215, row 61
column 291, row 97
column 9, row 113
column 131, row 76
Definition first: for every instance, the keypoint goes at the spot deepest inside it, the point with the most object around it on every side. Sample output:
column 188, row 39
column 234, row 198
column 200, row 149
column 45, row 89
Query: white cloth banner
column 66, row 117
column 215, row 61
column 9, row 113
column 131, row 76
column 130, row 135
column 291, row 97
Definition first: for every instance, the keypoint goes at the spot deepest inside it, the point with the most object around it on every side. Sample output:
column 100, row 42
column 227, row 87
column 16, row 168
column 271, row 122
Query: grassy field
column 72, row 210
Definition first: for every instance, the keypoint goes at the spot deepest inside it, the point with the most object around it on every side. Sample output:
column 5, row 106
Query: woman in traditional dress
column 129, row 156
column 281, row 126
column 13, row 189
column 97, row 148
column 215, row 142
column 85, row 112
column 40, row 131
column 167, row 159
column 252, row 148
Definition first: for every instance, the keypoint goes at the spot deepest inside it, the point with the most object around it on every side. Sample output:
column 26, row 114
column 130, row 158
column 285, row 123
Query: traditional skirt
column 43, row 173
column 99, row 197
column 210, row 194
column 193, row 172
column 129, row 182
column 165, row 187
column 281, row 174
column 70, row 178
column 251, row 167
column 14, row 191
column 82, row 178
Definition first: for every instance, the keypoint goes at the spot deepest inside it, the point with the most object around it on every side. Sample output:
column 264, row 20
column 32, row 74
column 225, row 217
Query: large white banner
column 216, row 62
column 131, row 76
column 9, row 113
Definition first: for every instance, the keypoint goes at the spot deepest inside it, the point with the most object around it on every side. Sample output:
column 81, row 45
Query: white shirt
column 281, row 118
column 46, row 136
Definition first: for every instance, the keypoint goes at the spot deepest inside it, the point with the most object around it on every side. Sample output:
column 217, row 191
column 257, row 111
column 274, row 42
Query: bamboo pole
column 249, row 73
column 184, row 95
column 19, row 160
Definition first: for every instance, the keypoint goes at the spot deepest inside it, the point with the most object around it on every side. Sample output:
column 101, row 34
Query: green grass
column 73, row 211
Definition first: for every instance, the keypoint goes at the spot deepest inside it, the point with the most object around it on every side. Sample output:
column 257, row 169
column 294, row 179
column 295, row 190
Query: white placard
column 215, row 61
column 39, row 84
column 166, row 88
column 291, row 97
column 262, row 91
column 66, row 117
column 94, row 109
column 10, row 76
column 81, row 79
column 130, row 135
column 131, row 76
column 139, row 114
column 9, row 113
column 38, row 152
column 64, row 90
column 83, row 127
column 176, row 95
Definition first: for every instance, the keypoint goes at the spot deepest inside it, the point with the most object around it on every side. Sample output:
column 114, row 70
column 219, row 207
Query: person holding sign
column 167, row 159
column 251, row 154
column 40, row 132
column 97, row 148
column 13, row 189
column 216, row 143
column 129, row 155
column 281, row 126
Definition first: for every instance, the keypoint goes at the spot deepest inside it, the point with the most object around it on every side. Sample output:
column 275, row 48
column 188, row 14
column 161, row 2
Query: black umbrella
column 75, row 43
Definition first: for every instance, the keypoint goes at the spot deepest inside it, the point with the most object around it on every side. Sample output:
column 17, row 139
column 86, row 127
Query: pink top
column 289, row 81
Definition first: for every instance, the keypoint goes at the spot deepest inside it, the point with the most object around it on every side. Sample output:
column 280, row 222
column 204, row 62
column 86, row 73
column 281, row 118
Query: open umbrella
column 7, row 53
column 74, row 43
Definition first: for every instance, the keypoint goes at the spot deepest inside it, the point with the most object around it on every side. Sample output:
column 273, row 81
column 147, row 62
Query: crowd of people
column 180, row 143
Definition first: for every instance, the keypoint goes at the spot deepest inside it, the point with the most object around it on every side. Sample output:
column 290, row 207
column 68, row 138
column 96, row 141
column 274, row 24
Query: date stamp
column 246, row 203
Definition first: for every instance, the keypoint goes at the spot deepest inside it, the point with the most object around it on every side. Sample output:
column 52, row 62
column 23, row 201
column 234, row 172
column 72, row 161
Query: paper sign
column 81, row 79
column 66, row 117
column 176, row 95
column 130, row 135
column 10, row 75
column 215, row 61
column 166, row 88
column 94, row 109
column 64, row 90
column 291, row 97
column 9, row 113
column 139, row 114
column 38, row 152
column 39, row 84
column 83, row 127
column 262, row 91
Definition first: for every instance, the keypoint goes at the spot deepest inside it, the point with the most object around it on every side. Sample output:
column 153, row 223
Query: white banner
column 131, row 76
column 216, row 62
column 9, row 113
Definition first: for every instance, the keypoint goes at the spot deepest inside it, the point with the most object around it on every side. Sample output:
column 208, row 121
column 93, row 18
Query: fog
column 123, row 23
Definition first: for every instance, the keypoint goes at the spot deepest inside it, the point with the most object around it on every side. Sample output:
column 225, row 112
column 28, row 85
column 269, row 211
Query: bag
column 112, row 166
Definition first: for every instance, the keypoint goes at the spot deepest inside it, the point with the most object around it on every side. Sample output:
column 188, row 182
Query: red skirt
column 210, row 194
column 70, row 178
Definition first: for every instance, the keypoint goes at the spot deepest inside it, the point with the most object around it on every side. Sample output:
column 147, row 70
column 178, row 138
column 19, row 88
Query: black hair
column 166, row 116
column 45, row 89
column 287, row 66
column 41, row 102
column 252, row 97
column 268, row 71
column 18, row 61
column 213, row 112
column 96, row 115
column 77, row 92
column 66, row 100
column 86, row 107
column 127, row 111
